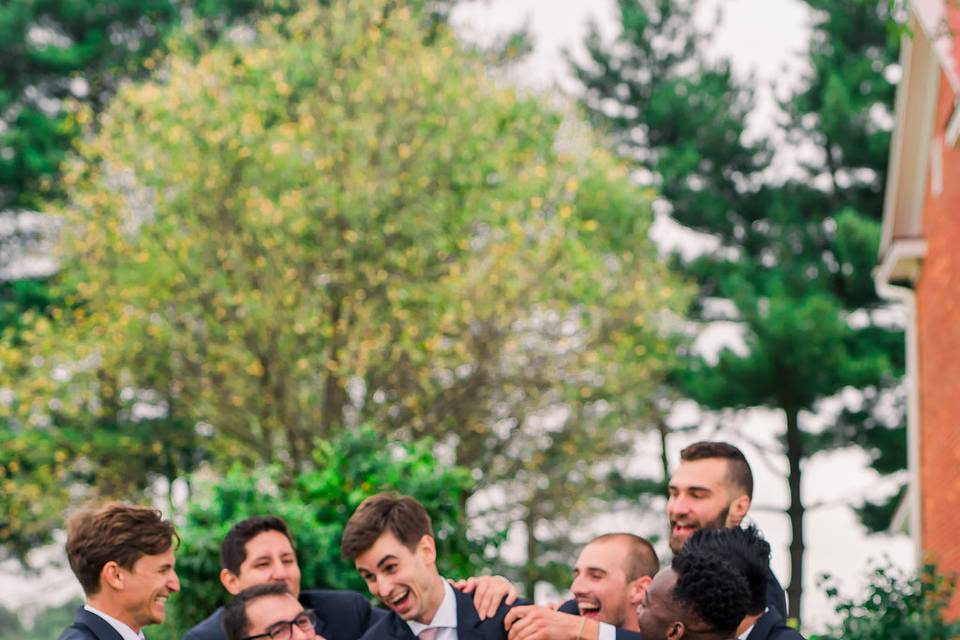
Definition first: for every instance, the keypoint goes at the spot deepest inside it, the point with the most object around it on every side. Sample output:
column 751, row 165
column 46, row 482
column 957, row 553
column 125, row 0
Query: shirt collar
column 746, row 633
column 125, row 631
column 446, row 616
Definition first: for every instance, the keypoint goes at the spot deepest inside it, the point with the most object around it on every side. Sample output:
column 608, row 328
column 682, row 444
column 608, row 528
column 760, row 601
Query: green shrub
column 896, row 606
column 316, row 506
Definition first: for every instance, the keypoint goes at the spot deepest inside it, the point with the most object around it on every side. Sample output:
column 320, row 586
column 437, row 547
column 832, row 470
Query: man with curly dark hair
column 700, row 595
column 749, row 554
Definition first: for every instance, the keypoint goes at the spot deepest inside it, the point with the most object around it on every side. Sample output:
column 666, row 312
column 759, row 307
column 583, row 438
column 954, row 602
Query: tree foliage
column 331, row 222
column 49, row 622
column 793, row 255
column 59, row 51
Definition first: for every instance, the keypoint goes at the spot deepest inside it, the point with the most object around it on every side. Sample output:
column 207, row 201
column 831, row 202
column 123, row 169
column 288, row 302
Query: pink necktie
column 430, row 633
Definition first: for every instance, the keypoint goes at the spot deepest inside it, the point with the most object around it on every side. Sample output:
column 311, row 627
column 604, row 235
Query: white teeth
column 399, row 597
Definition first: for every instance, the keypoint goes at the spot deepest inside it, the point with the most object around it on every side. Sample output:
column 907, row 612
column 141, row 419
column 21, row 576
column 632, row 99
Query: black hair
column 711, row 588
column 233, row 549
column 746, row 550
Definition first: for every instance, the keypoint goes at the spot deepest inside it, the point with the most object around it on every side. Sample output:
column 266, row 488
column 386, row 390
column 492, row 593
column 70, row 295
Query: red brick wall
column 938, row 317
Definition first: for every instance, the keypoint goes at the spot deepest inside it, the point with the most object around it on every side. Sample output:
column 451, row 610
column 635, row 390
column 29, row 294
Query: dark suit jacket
column 341, row 615
column 89, row 626
column 770, row 626
column 570, row 606
column 469, row 626
column 776, row 599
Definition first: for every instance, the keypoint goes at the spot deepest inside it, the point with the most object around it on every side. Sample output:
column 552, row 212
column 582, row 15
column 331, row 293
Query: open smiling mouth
column 588, row 609
column 401, row 600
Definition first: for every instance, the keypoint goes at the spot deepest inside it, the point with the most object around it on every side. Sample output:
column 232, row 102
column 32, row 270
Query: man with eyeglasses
column 268, row 612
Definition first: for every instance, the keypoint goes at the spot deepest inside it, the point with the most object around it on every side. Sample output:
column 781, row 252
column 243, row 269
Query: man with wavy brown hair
column 122, row 555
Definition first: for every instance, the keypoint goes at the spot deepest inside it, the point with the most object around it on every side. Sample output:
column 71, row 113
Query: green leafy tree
column 794, row 257
column 335, row 222
column 57, row 51
column 59, row 58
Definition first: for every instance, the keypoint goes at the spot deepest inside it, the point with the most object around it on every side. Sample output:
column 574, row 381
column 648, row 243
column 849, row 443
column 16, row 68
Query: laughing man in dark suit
column 123, row 557
column 390, row 540
column 609, row 580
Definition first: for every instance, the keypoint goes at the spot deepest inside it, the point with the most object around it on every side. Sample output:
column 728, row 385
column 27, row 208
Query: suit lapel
column 321, row 626
column 100, row 627
column 399, row 628
column 763, row 625
column 468, row 622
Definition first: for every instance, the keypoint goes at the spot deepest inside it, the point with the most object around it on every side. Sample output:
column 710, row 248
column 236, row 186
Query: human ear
column 427, row 548
column 738, row 509
column 111, row 575
column 230, row 581
column 637, row 588
column 676, row 630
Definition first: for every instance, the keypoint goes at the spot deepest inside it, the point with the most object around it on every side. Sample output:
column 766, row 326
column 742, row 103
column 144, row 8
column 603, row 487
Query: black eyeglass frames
column 283, row 630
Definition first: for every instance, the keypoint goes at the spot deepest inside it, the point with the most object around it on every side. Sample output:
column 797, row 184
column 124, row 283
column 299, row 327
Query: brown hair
column 738, row 469
column 122, row 533
column 641, row 559
column 401, row 515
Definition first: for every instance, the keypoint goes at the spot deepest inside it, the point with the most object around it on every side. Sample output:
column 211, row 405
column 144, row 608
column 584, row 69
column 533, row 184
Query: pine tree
column 794, row 256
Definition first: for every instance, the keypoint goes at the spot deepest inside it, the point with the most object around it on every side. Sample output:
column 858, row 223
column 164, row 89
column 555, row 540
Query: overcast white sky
column 764, row 38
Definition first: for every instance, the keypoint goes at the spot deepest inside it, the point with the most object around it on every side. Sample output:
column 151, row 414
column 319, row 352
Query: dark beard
column 717, row 523
column 721, row 520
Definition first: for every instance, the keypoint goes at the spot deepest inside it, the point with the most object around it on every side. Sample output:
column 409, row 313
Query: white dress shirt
column 445, row 620
column 125, row 632
column 607, row 631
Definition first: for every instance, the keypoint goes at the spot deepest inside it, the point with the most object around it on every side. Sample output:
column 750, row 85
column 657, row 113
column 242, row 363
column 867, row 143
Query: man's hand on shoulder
column 534, row 622
column 488, row 592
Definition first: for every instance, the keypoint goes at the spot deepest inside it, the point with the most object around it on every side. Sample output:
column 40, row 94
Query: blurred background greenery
column 306, row 250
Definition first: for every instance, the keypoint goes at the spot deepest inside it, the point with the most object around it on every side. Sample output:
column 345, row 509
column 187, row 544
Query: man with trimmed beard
column 123, row 557
column 712, row 488
column 390, row 540
column 609, row 579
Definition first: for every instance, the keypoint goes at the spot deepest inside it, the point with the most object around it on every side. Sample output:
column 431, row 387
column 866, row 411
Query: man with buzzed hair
column 609, row 579
column 700, row 595
column 712, row 488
